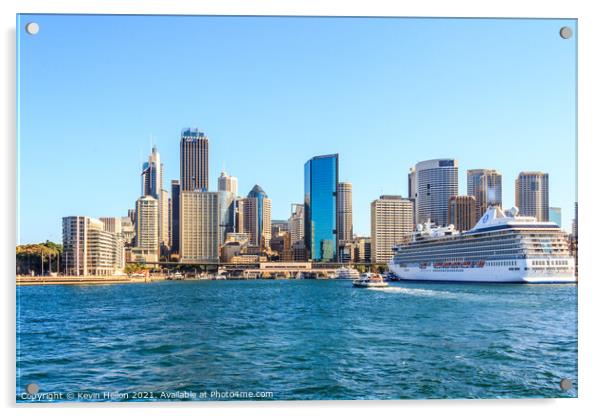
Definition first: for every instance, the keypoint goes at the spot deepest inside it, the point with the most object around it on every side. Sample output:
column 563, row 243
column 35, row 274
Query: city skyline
column 532, row 108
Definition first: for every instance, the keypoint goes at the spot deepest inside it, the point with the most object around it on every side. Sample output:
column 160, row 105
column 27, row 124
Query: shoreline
column 83, row 280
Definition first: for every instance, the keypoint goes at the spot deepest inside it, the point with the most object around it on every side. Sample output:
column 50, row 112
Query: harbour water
column 299, row 339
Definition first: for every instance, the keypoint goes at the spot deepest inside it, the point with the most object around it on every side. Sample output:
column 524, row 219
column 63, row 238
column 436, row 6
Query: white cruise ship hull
column 523, row 272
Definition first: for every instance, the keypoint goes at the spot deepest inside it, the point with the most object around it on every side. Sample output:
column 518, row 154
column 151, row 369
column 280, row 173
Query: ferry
column 368, row 280
column 502, row 247
column 346, row 273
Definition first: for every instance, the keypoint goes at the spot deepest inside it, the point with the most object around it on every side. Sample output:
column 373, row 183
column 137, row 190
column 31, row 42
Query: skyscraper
column 413, row 191
column 199, row 226
column 194, row 160
column 391, row 223
column 152, row 175
column 344, row 213
column 226, row 214
column 152, row 185
column 436, row 182
column 555, row 215
column 462, row 212
column 257, row 217
column 531, row 194
column 147, row 230
column 320, row 199
column 227, row 183
column 486, row 186
column 296, row 223
column 175, row 216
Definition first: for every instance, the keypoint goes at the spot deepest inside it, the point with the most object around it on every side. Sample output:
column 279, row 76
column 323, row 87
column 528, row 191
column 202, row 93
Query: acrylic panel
column 295, row 208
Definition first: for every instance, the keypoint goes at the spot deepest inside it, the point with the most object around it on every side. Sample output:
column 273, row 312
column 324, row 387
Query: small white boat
column 346, row 273
column 367, row 280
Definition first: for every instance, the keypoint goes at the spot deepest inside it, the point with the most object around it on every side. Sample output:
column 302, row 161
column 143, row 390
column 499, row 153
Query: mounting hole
column 32, row 388
column 566, row 32
column 566, row 384
column 32, row 28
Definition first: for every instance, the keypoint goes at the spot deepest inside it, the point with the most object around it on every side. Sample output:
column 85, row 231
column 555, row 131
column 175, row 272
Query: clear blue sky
column 271, row 93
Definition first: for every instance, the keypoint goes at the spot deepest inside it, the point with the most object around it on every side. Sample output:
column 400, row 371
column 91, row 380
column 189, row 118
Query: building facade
column 257, row 218
column 227, row 183
column 147, row 230
column 344, row 213
column 555, row 215
column 175, row 216
column 89, row 249
column 531, row 190
column 320, row 207
column 194, row 160
column 486, row 186
column 226, row 215
column 462, row 212
column 199, row 226
column 391, row 223
column 436, row 182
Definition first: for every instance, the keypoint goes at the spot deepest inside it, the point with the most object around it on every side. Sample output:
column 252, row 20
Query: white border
column 590, row 135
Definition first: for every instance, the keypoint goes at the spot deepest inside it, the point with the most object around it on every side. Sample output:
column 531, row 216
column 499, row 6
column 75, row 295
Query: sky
column 95, row 92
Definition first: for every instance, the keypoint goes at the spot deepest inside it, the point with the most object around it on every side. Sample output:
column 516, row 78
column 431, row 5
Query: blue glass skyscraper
column 320, row 200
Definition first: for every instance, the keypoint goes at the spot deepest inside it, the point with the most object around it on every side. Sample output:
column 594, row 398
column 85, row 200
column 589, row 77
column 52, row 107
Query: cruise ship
column 500, row 248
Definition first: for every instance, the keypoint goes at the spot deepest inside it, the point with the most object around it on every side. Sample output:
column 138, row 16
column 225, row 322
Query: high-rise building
column 413, row 191
column 90, row 249
column 194, row 160
column 227, row 183
column 227, row 217
column 392, row 223
column 147, row 230
column 152, row 185
column 128, row 231
column 199, row 226
column 462, row 212
column 257, row 217
column 555, row 215
column 531, row 195
column 296, row 221
column 436, row 182
column 320, row 199
column 280, row 226
column 344, row 213
column 486, row 186
column 175, row 216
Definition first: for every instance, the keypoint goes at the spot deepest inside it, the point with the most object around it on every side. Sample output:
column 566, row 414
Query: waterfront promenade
column 83, row 280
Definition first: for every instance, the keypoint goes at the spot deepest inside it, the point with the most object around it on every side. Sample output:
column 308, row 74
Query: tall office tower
column 320, row 199
column 227, row 219
column 413, row 191
column 175, row 216
column 170, row 221
column 462, row 212
column 344, row 213
column 152, row 175
column 436, row 182
column 164, row 218
column 90, row 249
column 531, row 195
column 228, row 183
column 486, row 186
column 147, row 230
column 194, row 160
column 555, row 215
column 257, row 222
column 152, row 185
column 391, row 223
column 239, row 215
column 199, row 226
column 296, row 221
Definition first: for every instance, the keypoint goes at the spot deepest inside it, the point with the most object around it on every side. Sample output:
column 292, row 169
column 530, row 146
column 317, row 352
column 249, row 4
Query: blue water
column 302, row 339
